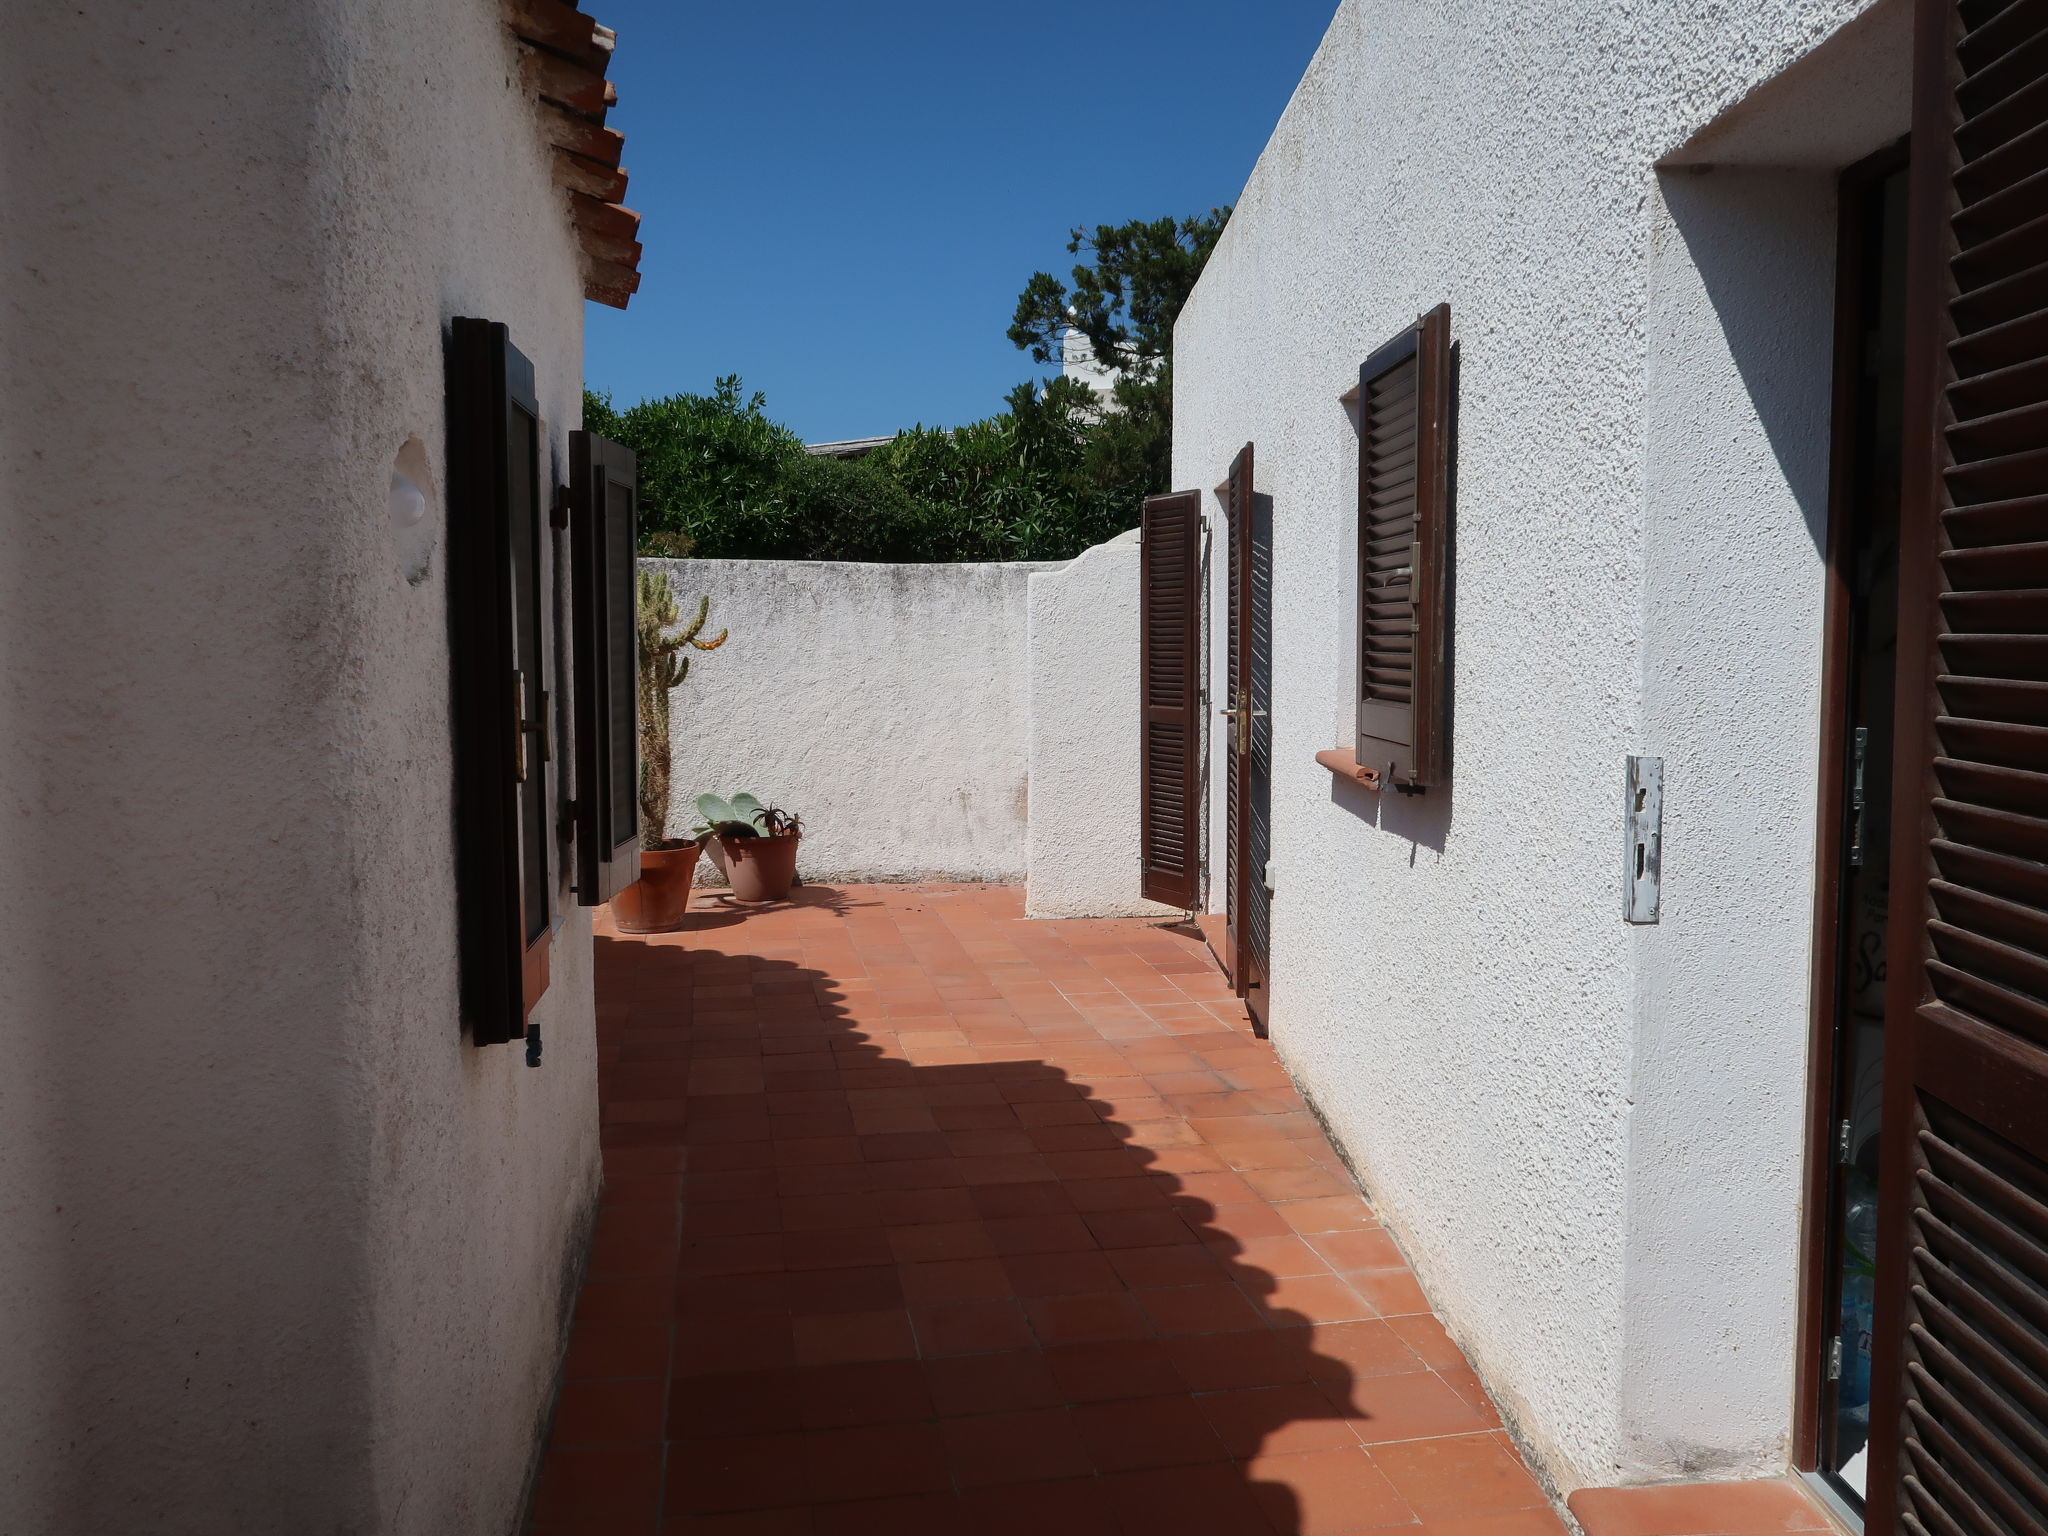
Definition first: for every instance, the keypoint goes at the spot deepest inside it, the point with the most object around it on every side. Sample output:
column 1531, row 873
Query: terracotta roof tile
column 564, row 54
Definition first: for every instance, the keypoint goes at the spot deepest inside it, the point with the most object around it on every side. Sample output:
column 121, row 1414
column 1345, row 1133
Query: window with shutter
column 495, row 510
column 603, row 486
column 1404, row 409
column 1959, row 1443
column 1169, row 608
column 1249, row 756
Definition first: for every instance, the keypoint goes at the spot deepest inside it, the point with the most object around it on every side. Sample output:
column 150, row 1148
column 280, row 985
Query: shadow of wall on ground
column 947, row 1297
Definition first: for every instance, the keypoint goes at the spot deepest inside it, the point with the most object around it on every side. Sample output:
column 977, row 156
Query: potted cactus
column 756, row 844
column 658, row 900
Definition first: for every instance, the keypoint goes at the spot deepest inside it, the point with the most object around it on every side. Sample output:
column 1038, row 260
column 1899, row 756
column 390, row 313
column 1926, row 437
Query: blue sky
column 842, row 201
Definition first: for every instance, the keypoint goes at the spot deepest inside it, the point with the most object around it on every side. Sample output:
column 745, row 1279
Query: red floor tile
column 1140, row 1432
column 970, row 1328
column 1324, row 1493
column 1034, row 1446
column 925, row 1220
column 1458, row 1477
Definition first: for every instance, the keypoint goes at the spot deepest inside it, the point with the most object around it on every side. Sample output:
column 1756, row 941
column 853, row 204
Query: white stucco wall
column 970, row 722
column 887, row 704
column 282, row 1251
column 1586, row 1136
column 1082, row 837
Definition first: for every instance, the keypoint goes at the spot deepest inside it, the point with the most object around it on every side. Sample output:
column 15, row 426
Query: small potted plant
column 659, row 899
column 756, row 844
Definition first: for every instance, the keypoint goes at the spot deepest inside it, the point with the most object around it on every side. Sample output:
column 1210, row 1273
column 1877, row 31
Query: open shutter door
column 1960, row 1409
column 602, row 530
column 1169, row 609
column 500, row 706
column 1403, row 537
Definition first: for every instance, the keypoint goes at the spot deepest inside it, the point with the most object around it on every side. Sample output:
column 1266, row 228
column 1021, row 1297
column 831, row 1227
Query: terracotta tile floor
column 925, row 1220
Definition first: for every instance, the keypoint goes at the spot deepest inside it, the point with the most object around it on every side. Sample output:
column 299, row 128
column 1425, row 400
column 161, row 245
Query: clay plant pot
column 658, row 901
column 760, row 868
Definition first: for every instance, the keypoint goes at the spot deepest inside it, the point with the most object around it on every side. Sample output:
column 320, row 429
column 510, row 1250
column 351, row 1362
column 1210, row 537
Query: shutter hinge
column 519, row 726
column 1842, row 1135
column 1835, row 1358
column 558, row 512
column 1642, row 879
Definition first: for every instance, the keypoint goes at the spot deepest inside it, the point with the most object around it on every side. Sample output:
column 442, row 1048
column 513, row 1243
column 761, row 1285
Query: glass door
column 1865, row 555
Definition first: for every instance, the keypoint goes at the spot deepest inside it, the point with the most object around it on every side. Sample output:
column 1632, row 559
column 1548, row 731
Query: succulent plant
column 743, row 816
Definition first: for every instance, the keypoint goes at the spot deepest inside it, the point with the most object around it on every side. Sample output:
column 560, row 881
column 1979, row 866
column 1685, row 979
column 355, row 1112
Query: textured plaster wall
column 887, row 704
column 1586, row 1135
column 283, row 1252
column 1082, row 837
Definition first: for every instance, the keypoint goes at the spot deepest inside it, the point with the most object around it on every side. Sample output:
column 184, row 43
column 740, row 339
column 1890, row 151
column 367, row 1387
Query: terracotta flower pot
column 760, row 868
column 659, row 899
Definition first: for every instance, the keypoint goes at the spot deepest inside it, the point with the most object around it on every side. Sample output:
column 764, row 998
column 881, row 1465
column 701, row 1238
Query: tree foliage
column 1051, row 475
column 1126, row 302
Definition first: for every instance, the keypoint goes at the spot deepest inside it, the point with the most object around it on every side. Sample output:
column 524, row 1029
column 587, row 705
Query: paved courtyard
column 921, row 1219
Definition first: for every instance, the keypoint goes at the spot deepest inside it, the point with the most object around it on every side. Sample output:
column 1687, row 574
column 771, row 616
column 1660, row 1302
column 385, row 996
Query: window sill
column 1345, row 766
column 1777, row 1506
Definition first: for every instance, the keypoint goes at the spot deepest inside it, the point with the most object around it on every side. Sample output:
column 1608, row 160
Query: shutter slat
column 1992, row 917
column 2007, row 254
column 2002, row 478
column 1994, row 743
column 2008, row 26
column 2010, row 344
column 1999, row 699
column 2007, row 164
column 2002, row 69
column 2005, row 210
column 1958, row 1347
column 2006, row 656
column 2008, row 298
column 1997, row 567
column 1993, row 611
column 1997, row 874
column 2020, row 521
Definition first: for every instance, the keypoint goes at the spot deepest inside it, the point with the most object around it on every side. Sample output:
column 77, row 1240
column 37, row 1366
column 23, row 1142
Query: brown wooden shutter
column 1960, row 1406
column 500, row 707
column 1404, row 421
column 602, row 532
column 1169, row 618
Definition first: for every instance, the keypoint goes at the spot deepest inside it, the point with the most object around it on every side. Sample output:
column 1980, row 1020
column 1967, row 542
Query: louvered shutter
column 1403, row 536
column 500, row 707
column 602, row 522
column 1960, row 1412
column 1169, row 609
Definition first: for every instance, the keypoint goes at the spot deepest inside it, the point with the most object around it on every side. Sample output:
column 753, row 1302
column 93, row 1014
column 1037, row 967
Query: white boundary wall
column 1082, row 839
column 1587, row 1136
column 941, row 721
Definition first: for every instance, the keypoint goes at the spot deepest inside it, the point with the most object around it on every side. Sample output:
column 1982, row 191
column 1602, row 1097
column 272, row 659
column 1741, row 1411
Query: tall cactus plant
column 664, row 663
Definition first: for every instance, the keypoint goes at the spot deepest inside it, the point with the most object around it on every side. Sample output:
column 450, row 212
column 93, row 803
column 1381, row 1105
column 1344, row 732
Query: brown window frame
column 1406, row 742
column 603, row 534
column 504, row 815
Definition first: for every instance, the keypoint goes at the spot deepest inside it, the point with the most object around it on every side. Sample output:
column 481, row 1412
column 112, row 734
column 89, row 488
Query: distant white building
column 1079, row 363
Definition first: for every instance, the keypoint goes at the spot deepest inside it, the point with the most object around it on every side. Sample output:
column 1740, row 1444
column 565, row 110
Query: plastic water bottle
column 1859, row 1278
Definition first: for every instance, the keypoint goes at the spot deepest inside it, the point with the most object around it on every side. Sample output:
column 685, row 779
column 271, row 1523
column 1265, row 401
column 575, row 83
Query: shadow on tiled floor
column 921, row 1219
